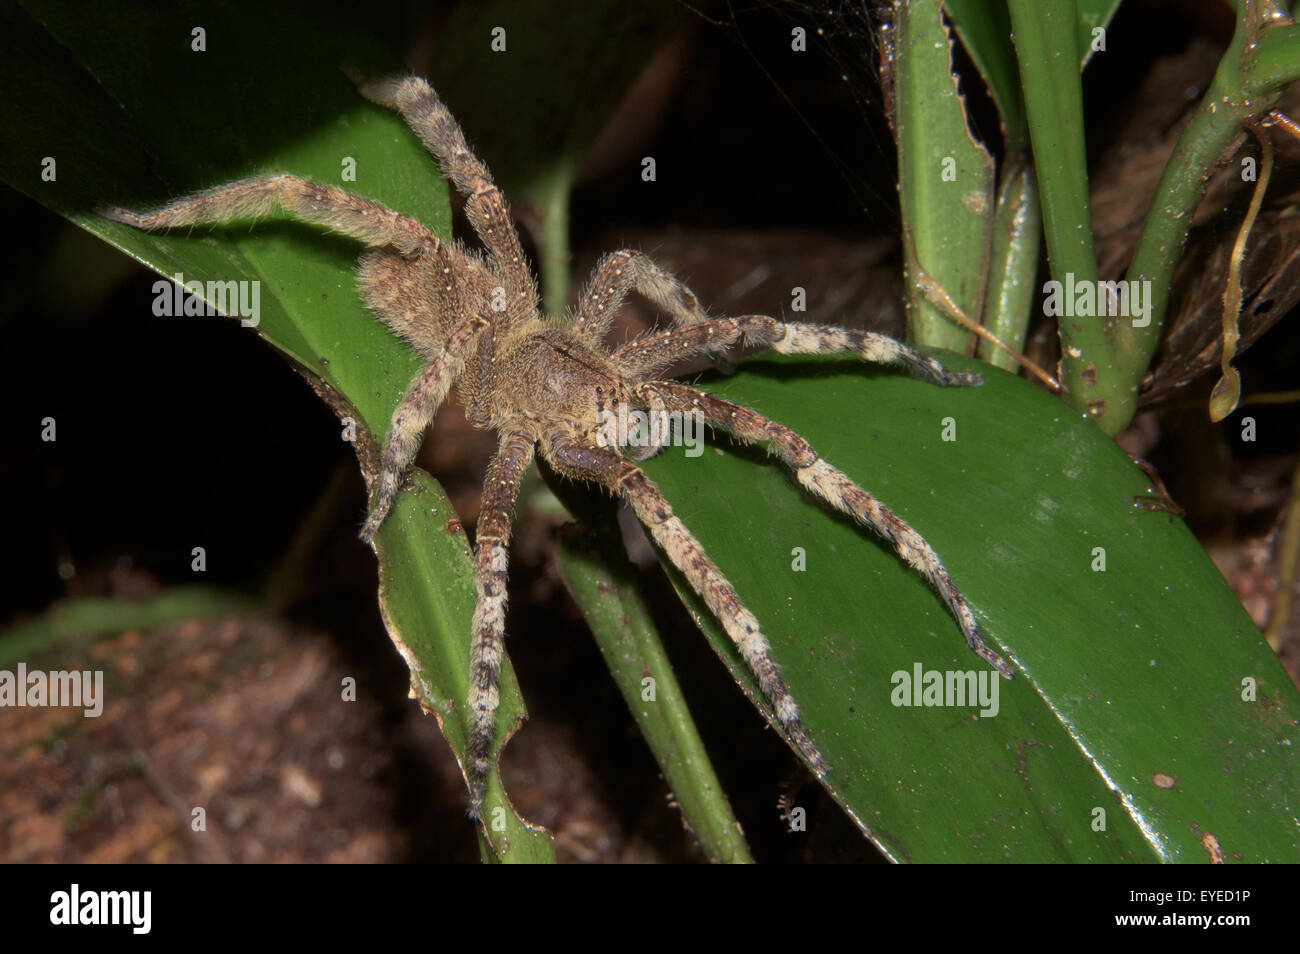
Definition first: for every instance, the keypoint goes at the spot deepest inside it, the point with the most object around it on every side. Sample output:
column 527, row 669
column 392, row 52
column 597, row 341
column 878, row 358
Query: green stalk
column 1014, row 263
column 603, row 582
column 1046, row 39
column 554, row 189
column 1240, row 93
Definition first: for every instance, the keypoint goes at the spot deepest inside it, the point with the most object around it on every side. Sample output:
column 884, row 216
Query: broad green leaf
column 132, row 115
column 1132, row 692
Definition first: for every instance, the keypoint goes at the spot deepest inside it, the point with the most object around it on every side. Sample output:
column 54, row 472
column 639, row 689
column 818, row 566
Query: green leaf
column 1093, row 15
column 156, row 119
column 1128, row 677
column 426, row 596
column 985, row 30
column 945, row 178
column 90, row 617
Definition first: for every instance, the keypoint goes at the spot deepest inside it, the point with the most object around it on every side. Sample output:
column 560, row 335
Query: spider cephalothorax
column 546, row 387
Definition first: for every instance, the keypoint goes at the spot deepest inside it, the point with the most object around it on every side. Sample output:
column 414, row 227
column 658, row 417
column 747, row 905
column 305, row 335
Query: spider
column 545, row 386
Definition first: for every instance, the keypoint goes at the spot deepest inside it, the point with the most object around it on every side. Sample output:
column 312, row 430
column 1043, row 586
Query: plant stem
column 1013, row 266
column 1234, row 98
column 597, row 572
column 1046, row 40
column 554, row 189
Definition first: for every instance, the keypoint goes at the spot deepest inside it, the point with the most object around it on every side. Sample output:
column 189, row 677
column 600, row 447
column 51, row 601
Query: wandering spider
column 546, row 386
